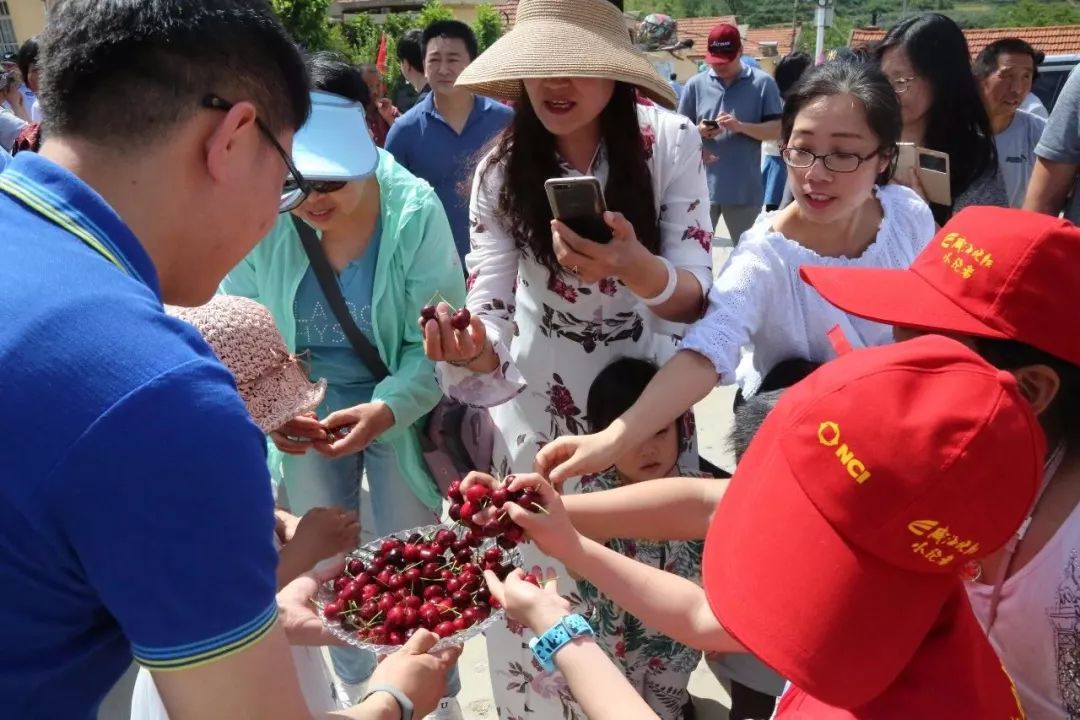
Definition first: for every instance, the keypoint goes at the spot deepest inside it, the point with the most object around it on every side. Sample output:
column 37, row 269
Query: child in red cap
column 1004, row 282
column 862, row 498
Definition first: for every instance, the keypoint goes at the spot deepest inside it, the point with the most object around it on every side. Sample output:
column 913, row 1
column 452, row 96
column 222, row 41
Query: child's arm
column 668, row 509
column 678, row 386
column 321, row 533
column 599, row 687
column 665, row 602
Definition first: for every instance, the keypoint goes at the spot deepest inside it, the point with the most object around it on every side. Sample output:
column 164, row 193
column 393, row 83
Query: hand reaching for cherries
column 526, row 602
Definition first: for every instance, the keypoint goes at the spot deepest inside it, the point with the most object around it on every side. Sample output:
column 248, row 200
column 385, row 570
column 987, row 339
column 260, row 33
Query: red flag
column 380, row 57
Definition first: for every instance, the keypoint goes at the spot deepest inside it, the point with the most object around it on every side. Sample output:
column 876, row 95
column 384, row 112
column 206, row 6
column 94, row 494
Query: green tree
column 488, row 26
column 307, row 21
column 1030, row 13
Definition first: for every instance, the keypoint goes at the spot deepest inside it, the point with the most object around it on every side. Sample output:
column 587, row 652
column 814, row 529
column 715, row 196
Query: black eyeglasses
column 838, row 162
column 296, row 188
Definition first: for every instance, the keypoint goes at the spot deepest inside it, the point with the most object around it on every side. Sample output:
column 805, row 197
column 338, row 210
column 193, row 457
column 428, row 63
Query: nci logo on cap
column 829, row 435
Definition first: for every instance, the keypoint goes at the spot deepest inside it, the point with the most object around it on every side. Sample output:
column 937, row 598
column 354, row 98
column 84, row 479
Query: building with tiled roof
column 755, row 40
column 1052, row 40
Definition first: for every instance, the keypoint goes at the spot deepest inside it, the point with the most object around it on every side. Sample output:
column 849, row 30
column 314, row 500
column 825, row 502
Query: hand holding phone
column 579, row 203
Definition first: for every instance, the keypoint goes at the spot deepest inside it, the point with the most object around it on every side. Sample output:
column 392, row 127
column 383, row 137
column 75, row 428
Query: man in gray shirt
column 735, row 108
column 1058, row 157
column 1006, row 70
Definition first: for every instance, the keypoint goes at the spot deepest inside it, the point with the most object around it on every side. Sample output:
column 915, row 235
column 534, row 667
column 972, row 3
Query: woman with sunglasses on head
column 389, row 247
column 927, row 61
column 838, row 137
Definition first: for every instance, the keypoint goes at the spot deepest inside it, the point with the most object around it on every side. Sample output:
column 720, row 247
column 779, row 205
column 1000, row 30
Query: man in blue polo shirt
column 440, row 137
column 136, row 517
column 736, row 107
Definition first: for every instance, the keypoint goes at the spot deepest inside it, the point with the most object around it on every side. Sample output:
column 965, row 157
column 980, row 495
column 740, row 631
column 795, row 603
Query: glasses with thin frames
column 296, row 188
column 838, row 162
column 902, row 84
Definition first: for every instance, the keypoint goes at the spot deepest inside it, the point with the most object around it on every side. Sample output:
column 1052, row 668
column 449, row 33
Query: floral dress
column 553, row 338
column 658, row 667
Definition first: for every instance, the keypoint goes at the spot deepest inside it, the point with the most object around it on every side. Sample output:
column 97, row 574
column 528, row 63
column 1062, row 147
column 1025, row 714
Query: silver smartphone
column 579, row 203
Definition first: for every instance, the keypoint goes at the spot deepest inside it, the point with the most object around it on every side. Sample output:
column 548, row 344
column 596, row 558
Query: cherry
column 332, row 610
column 445, row 537
column 411, row 575
column 370, row 591
column 499, row 496
column 428, row 312
column 453, row 491
column 389, row 545
column 453, row 585
column 430, row 571
column 341, row 583
column 493, row 555
column 369, row 610
column 461, row 319
column 433, row 591
column 387, row 603
column 354, row 567
column 455, row 512
column 411, row 553
column 459, row 624
column 532, row 579
column 444, row 629
column 468, row 509
column 461, row 599
column 395, row 638
column 395, row 558
column 477, row 494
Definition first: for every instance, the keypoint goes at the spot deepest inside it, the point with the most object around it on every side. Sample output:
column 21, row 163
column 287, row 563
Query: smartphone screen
column 710, row 124
column 933, row 162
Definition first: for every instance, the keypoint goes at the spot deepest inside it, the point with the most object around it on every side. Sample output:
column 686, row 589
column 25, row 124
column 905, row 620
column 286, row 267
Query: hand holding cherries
column 455, row 336
column 478, row 504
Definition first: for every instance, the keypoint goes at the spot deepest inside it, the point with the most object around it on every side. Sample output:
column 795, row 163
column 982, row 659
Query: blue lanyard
column 48, row 205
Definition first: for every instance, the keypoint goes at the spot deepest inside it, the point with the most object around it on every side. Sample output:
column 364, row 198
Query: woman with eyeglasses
column 927, row 61
column 838, row 135
column 391, row 250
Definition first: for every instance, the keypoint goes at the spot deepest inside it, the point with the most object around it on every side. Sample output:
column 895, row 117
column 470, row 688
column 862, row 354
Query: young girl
column 658, row 667
column 839, row 132
column 274, row 388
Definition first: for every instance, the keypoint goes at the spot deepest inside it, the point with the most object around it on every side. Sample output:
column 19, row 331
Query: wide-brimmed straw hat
column 564, row 38
column 273, row 384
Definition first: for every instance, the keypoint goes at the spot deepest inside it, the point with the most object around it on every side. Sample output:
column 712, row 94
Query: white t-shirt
column 762, row 313
column 10, row 127
column 1037, row 630
column 1033, row 105
column 1016, row 154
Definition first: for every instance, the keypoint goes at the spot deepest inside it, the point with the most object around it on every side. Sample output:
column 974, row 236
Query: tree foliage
column 307, row 21
column 488, row 26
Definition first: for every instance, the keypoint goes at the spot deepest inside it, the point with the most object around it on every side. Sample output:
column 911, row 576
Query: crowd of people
column 223, row 315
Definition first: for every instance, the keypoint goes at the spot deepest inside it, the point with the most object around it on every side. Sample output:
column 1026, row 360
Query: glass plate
column 366, row 553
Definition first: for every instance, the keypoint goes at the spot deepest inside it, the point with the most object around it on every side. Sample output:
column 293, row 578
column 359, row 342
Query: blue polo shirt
column 136, row 518
column 734, row 171
column 424, row 142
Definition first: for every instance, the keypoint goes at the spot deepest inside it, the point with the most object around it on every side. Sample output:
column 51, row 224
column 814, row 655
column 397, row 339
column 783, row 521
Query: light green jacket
column 417, row 260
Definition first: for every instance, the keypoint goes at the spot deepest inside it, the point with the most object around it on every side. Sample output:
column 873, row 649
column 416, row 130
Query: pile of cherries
column 432, row 581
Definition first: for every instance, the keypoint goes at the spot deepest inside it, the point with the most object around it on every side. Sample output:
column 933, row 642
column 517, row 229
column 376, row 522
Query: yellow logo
column 829, row 435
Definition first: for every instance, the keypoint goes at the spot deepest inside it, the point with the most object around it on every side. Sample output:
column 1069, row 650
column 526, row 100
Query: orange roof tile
column 779, row 34
column 1052, row 40
column 698, row 29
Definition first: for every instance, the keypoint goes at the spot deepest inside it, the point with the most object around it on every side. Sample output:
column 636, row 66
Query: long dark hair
column 528, row 152
column 957, row 122
column 863, row 82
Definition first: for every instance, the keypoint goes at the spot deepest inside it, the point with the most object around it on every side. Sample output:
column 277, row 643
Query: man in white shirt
column 1006, row 70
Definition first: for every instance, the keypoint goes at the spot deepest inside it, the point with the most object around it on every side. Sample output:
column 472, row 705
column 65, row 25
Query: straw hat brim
column 548, row 48
column 276, row 398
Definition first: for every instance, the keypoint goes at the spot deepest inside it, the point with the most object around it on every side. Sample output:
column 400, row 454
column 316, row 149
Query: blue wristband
column 557, row 637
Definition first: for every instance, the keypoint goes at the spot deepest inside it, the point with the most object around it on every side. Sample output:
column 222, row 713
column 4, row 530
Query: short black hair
column 332, row 73
column 986, row 63
column 410, row 48
column 126, row 73
column 615, row 389
column 452, row 29
column 789, row 70
column 28, row 55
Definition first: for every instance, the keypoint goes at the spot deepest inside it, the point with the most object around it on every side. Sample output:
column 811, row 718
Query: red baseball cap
column 866, row 491
column 725, row 44
column 990, row 272
column 955, row 674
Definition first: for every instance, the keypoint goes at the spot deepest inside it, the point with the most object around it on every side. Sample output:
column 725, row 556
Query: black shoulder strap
column 332, row 291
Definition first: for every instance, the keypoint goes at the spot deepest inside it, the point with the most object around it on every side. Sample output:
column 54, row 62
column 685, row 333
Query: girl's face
column 653, row 459
column 327, row 211
column 912, row 89
column 827, row 125
column 566, row 105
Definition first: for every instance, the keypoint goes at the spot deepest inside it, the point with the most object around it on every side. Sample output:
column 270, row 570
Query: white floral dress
column 553, row 338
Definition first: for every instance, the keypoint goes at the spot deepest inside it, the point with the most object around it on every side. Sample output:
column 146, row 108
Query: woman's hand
column 536, row 608
column 591, row 261
column 444, row 343
column 351, row 430
column 296, row 607
column 910, row 178
column 575, row 455
column 296, row 436
column 418, row 673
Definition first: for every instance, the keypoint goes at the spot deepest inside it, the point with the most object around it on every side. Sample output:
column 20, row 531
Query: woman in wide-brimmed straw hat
column 551, row 308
